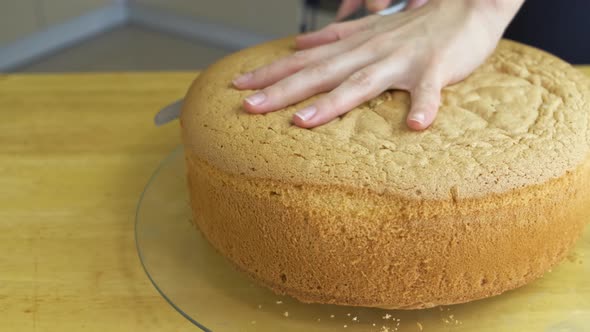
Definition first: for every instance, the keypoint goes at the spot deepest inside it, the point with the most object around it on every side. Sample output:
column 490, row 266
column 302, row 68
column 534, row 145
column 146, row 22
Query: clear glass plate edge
column 154, row 175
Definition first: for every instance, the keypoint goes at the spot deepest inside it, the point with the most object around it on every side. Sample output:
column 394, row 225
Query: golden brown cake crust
column 364, row 212
column 520, row 119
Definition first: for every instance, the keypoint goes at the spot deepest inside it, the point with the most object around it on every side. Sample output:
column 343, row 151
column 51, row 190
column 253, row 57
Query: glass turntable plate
column 208, row 291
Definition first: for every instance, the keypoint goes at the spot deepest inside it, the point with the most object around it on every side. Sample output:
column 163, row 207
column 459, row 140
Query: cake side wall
column 348, row 246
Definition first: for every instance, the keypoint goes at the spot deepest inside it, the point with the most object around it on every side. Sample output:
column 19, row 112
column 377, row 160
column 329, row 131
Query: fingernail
column 417, row 117
column 242, row 79
column 256, row 99
column 306, row 113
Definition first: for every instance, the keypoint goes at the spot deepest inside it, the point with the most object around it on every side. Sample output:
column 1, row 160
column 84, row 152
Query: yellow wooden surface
column 75, row 153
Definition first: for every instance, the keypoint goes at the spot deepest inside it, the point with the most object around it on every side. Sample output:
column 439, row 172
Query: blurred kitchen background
column 141, row 35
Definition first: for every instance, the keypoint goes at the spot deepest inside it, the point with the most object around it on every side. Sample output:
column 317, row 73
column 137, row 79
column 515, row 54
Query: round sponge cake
column 363, row 211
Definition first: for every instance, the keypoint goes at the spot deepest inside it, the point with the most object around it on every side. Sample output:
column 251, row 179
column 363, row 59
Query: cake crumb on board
column 419, row 326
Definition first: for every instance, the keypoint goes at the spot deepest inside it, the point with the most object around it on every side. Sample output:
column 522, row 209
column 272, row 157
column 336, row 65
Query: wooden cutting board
column 75, row 153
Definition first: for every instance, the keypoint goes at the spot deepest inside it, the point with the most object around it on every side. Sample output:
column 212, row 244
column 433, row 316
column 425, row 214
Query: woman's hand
column 420, row 51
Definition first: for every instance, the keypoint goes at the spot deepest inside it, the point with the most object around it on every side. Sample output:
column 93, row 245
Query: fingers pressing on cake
column 315, row 46
column 276, row 71
column 418, row 50
column 322, row 76
column 425, row 97
column 361, row 86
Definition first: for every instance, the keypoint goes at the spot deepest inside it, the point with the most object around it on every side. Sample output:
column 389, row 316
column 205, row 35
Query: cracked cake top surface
column 522, row 118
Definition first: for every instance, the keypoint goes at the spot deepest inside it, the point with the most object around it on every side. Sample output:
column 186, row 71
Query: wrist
column 503, row 10
column 495, row 15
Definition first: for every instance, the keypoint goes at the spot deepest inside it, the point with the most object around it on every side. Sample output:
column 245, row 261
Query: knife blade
column 168, row 113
